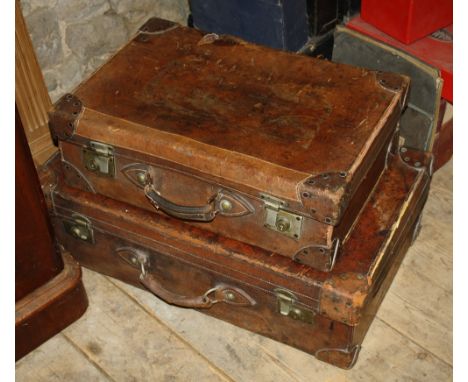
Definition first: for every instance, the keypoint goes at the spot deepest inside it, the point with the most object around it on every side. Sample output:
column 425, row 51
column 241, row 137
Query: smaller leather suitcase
column 267, row 147
column 324, row 314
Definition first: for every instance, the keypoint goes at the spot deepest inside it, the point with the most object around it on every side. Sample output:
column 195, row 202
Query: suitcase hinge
column 287, row 306
column 80, row 228
column 99, row 158
column 279, row 220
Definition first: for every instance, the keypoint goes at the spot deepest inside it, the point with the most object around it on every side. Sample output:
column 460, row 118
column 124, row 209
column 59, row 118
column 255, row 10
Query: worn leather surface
column 270, row 105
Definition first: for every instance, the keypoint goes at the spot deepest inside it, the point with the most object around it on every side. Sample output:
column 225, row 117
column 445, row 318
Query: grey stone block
column 137, row 12
column 124, row 6
column 70, row 73
column 97, row 36
column 79, row 10
column 29, row 6
column 72, row 38
column 50, row 79
column 45, row 35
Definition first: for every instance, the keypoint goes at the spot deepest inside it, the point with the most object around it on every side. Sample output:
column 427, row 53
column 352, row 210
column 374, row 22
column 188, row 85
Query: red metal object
column 432, row 51
column 408, row 20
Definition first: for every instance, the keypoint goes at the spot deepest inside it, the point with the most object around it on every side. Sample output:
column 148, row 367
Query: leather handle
column 220, row 293
column 156, row 288
column 204, row 213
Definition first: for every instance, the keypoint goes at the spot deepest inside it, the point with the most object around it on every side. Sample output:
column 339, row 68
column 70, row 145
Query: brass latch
column 80, row 228
column 99, row 158
column 287, row 306
column 277, row 219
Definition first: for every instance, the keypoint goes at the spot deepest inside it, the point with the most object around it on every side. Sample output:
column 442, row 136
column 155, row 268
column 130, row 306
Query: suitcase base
column 50, row 308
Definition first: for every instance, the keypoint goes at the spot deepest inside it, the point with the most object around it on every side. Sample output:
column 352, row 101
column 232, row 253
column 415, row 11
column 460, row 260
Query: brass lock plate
column 277, row 219
column 80, row 228
column 99, row 158
column 287, row 305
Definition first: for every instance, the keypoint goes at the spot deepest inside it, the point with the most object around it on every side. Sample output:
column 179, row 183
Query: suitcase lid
column 292, row 127
column 385, row 224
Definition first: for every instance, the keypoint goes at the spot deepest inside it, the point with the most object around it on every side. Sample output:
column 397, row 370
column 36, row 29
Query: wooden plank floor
column 129, row 335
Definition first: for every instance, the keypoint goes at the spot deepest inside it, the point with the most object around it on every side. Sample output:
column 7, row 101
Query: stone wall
column 72, row 38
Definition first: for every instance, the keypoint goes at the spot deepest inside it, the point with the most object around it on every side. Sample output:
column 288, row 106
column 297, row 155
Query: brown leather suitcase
column 270, row 148
column 326, row 314
column 49, row 294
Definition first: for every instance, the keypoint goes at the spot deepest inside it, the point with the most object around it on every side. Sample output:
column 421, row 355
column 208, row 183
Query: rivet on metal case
column 99, row 158
column 80, row 228
column 287, row 306
column 279, row 220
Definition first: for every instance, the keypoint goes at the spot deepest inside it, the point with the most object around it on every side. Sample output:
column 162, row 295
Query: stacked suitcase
column 294, row 25
column 428, row 62
column 261, row 187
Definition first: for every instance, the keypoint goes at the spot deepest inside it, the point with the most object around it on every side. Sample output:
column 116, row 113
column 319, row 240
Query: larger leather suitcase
column 323, row 313
column 266, row 147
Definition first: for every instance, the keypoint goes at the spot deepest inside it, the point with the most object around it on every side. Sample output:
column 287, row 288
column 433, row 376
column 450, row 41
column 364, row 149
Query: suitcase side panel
column 245, row 220
column 198, row 247
column 313, row 243
column 375, row 297
column 346, row 293
column 380, row 288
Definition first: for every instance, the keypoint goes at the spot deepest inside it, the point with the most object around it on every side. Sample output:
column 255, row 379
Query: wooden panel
column 36, row 258
column 48, row 309
column 31, row 93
